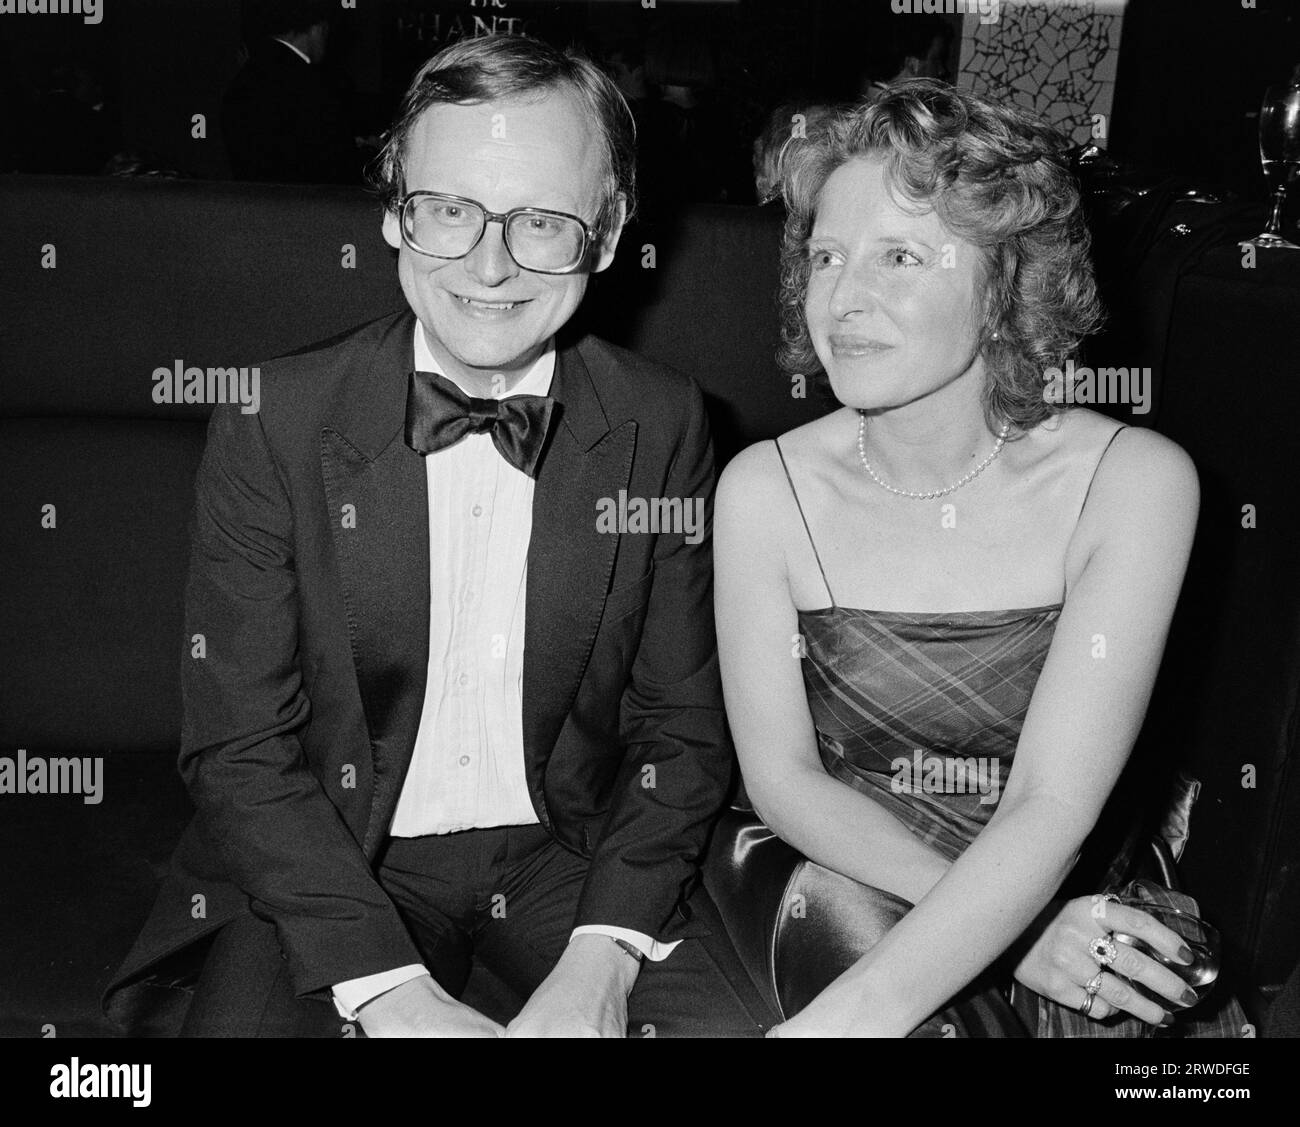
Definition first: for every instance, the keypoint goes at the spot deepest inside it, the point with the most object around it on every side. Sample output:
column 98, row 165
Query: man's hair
column 995, row 175
column 494, row 67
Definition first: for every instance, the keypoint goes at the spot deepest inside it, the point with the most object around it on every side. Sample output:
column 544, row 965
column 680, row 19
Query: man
column 280, row 118
column 442, row 716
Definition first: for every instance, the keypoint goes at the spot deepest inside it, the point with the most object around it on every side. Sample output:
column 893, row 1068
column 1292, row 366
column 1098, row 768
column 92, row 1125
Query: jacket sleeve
column 277, row 835
column 677, row 765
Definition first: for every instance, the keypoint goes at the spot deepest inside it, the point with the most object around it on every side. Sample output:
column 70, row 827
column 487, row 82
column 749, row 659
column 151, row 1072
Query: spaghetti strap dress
column 923, row 713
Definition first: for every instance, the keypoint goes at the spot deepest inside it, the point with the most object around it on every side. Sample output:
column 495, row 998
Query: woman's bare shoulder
column 811, row 438
column 1135, row 459
column 1098, row 442
column 757, row 472
column 1141, row 485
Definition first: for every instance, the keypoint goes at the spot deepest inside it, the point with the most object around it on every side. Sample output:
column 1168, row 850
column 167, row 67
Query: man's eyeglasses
column 443, row 226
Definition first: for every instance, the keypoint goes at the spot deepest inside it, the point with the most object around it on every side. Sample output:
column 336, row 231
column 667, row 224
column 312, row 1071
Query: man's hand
column 584, row 996
column 422, row 1008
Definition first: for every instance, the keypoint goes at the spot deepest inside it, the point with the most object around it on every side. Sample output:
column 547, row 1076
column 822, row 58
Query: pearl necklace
column 930, row 494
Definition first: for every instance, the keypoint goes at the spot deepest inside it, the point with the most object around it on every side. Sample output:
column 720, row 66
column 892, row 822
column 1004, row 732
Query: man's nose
column 489, row 263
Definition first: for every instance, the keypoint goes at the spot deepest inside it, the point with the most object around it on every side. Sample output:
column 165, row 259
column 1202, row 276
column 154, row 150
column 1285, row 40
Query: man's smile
column 488, row 310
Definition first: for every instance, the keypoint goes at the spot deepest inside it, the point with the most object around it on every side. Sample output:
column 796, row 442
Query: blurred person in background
column 787, row 125
column 687, row 139
column 58, row 122
column 918, row 47
column 282, row 117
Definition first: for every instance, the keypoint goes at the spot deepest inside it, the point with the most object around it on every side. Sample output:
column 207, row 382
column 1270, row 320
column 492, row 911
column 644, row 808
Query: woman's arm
column 767, row 705
column 1125, row 567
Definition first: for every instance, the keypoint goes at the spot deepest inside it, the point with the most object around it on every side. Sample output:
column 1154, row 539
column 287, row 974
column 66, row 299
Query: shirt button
column 464, row 760
column 463, row 680
column 469, row 594
column 477, row 510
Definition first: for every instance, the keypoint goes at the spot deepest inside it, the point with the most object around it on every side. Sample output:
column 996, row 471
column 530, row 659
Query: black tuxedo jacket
column 307, row 610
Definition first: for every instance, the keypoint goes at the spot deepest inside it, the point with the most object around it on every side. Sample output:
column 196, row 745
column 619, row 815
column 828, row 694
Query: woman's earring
column 996, row 335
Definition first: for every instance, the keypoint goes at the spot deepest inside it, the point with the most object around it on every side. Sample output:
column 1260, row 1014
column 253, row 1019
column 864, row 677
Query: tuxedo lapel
column 570, row 563
column 377, row 496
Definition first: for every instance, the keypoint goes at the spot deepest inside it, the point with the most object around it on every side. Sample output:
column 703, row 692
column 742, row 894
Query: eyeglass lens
column 450, row 228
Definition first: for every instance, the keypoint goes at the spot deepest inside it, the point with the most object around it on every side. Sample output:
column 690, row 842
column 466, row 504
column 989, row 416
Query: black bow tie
column 439, row 414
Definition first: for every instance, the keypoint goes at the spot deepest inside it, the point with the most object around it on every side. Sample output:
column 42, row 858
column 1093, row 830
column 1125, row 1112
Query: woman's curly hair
column 997, row 177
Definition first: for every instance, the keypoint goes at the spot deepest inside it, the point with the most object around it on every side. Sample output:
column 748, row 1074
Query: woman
column 964, row 572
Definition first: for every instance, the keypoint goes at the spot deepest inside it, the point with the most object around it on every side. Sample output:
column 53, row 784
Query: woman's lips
column 857, row 346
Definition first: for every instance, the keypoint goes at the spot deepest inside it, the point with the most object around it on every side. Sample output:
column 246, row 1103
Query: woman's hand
column 1059, row 966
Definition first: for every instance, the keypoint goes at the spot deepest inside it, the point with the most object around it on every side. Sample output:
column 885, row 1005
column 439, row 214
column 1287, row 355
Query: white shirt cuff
column 652, row 949
column 350, row 996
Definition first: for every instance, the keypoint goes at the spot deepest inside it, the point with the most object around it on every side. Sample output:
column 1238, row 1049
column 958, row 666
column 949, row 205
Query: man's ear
column 392, row 229
column 604, row 256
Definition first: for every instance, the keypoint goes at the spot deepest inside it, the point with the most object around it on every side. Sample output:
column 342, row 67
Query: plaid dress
column 922, row 712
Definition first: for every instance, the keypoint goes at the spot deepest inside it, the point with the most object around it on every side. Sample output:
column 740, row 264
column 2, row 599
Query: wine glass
column 1199, row 937
column 1279, row 152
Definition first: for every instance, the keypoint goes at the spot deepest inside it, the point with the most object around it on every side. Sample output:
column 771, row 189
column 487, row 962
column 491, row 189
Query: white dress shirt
column 467, row 768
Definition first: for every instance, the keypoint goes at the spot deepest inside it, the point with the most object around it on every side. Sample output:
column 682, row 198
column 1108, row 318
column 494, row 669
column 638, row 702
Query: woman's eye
column 820, row 259
column 900, row 256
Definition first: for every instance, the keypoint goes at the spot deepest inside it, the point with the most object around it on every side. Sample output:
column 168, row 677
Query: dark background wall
column 1191, row 79
column 1191, row 73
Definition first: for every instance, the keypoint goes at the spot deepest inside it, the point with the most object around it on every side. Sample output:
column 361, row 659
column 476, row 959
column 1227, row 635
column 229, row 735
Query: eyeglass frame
column 590, row 233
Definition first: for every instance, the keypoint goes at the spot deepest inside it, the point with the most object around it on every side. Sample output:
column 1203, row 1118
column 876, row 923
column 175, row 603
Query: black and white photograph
column 691, row 520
